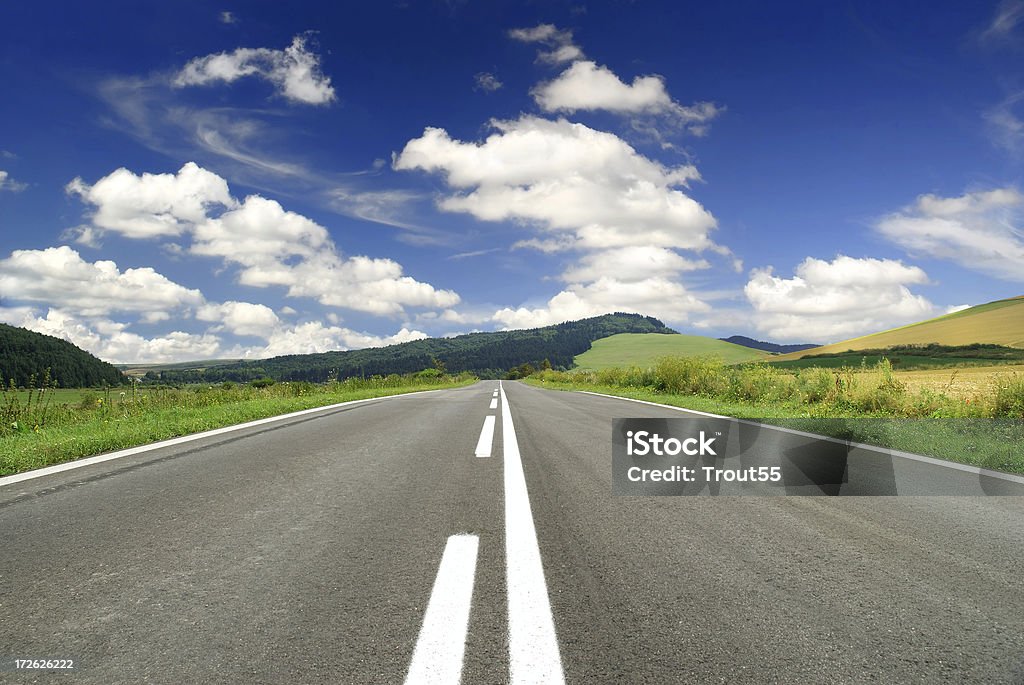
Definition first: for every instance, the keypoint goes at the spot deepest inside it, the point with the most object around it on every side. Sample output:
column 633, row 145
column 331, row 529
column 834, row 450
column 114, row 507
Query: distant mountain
column 24, row 353
column 489, row 355
column 767, row 346
column 997, row 323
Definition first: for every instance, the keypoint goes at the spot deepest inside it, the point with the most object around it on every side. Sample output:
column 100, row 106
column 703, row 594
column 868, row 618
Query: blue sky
column 195, row 180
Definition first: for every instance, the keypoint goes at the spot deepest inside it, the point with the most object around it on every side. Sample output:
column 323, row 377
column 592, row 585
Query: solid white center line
column 442, row 641
column 532, row 644
column 494, row 403
column 483, row 445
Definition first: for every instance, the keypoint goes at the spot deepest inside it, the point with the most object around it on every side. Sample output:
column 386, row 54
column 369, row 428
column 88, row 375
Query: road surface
column 414, row 538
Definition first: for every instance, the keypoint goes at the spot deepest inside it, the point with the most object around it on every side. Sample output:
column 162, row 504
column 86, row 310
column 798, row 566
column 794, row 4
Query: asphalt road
column 376, row 541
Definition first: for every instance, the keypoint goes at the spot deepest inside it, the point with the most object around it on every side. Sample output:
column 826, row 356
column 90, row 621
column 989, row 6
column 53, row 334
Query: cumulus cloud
column 152, row 205
column 844, row 298
column 582, row 190
column 58, row 276
column 111, row 341
column 634, row 263
column 587, row 86
column 270, row 246
column 314, row 337
column 982, row 230
column 240, row 318
column 659, row 297
column 566, row 179
column 558, row 43
column 294, row 71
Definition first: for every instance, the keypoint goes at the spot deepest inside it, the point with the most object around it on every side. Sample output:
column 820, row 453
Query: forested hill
column 489, row 355
column 24, row 354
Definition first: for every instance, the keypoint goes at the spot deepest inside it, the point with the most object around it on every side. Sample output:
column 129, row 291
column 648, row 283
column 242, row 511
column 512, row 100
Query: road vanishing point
column 471, row 535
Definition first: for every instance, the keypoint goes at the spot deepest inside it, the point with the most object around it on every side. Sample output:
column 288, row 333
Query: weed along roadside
column 870, row 404
column 47, row 426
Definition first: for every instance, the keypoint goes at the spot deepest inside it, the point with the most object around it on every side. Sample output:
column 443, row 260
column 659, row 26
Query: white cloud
column 152, row 205
column 983, row 230
column 658, row 297
column 313, row 337
column 59, row 277
column 1005, row 127
column 583, row 190
column 844, row 298
column 1009, row 15
column 588, row 86
column 228, row 18
column 559, row 43
column 9, row 184
column 295, row 71
column 241, row 318
column 634, row 263
column 565, row 178
column 111, row 341
column 270, row 245
column 486, row 82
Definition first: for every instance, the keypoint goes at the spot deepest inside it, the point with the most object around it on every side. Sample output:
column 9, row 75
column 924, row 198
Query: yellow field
column 1000, row 323
column 963, row 383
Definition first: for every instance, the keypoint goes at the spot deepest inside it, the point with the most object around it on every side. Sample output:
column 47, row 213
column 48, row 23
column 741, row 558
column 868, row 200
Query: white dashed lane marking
column 442, row 642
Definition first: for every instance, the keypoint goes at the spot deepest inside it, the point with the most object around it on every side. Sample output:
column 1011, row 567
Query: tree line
column 26, row 356
column 488, row 355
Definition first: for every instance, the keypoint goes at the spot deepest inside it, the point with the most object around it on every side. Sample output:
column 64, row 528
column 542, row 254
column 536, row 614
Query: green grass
column 985, row 443
column 644, row 349
column 112, row 423
column 873, row 407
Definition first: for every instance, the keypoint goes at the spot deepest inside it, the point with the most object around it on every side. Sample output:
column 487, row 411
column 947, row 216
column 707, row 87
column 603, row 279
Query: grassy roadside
column 991, row 443
column 75, row 432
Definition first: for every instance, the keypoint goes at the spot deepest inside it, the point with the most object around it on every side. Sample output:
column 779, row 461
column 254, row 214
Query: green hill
column 489, row 355
column 643, row 349
column 998, row 323
column 25, row 353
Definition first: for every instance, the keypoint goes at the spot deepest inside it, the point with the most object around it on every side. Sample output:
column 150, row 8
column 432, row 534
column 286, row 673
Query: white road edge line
column 859, row 445
column 442, row 641
column 486, row 440
column 532, row 643
column 494, row 403
column 89, row 461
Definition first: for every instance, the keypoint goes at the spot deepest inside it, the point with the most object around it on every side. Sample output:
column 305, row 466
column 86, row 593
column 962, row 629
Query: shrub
column 690, row 375
column 815, row 385
column 1008, row 397
column 755, row 382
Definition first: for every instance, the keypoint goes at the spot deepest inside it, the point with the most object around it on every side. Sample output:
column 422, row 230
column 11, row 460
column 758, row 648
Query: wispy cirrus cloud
column 1002, row 28
column 486, row 82
column 9, row 184
column 980, row 230
column 559, row 44
column 1004, row 124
